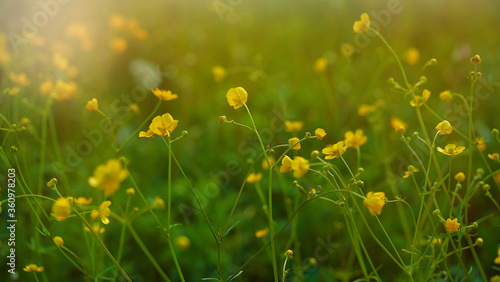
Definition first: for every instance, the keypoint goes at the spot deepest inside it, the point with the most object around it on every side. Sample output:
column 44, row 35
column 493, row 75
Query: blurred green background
column 269, row 48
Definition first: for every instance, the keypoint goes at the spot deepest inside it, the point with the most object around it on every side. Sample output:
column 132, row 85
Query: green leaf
column 231, row 227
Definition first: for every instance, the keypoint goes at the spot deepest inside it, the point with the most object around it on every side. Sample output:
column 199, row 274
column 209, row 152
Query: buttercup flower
column 334, row 151
column 20, row 78
column 347, row 49
column 412, row 56
column 362, row 25
column 108, row 176
column 300, row 166
column 183, row 242
column 118, row 45
column 294, row 140
column 164, row 95
column 59, row 61
column 104, row 211
column 445, row 96
column 398, row 125
column 261, row 233
column 320, row 133
column 418, row 101
column 355, row 140
column 219, row 73
column 92, row 105
column 444, row 127
column 410, row 171
column 365, row 109
column 374, row 202
column 451, row 149
column 452, row 225
column 476, row 59
column 480, row 143
column 33, row 268
column 130, row 191
column 320, row 64
column 236, row 97
column 46, row 87
column 159, row 203
column 61, row 209
column 14, row 91
column 254, row 177
column 286, row 164
column 289, row 254
column 117, row 22
column 497, row 259
column 161, row 126
column 494, row 156
column 64, row 90
column 265, row 165
column 291, row 126
column 59, row 241
column 460, row 176
column 83, row 201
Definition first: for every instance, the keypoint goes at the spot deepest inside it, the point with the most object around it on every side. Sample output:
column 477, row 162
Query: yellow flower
column 364, row 109
column 362, row 25
column 117, row 22
column 20, row 79
column 94, row 214
column 64, row 91
column 444, row 127
column 294, row 140
column 104, row 211
column 289, row 254
column 219, row 73
column 33, row 268
column 374, row 202
column 108, row 176
column 159, row 203
column 452, row 225
column 460, row 176
column 480, row 143
column 355, row 140
column 92, row 105
column 61, row 209
column 46, row 87
column 451, row 149
column 265, row 165
column 134, row 108
column 14, row 90
column 300, row 166
column 59, row 61
column 476, row 59
column 445, row 96
column 83, row 201
column 347, row 49
column 130, row 191
column 261, row 233
column 118, row 45
column 435, row 242
column 183, row 242
column 320, row 65
column 161, row 126
column 497, row 259
column 286, row 164
column 59, row 241
column 418, row 101
column 412, row 56
column 320, row 133
column 236, row 97
column 410, row 171
column 291, row 126
column 254, row 177
column 494, row 156
column 25, row 121
column 398, row 125
column 334, row 151
column 164, row 95
column 96, row 228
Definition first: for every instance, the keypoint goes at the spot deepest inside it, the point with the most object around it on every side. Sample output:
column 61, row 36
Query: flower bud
column 476, row 59
column 494, row 132
column 479, row 242
column 289, row 254
column 475, row 225
column 436, row 212
column 314, row 154
column 52, row 182
column 222, row 119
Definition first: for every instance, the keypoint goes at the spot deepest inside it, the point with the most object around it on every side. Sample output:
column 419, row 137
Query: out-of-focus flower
column 320, row 65
column 286, row 164
column 92, row 105
column 46, row 87
column 398, row 125
column 20, row 78
column 320, row 133
column 451, row 149
column 14, row 91
column 33, row 268
column 374, row 202
column 410, row 171
column 261, row 233
column 292, row 141
column 134, row 108
column 494, row 156
column 118, row 45
column 335, row 151
column 159, row 203
column 59, row 241
column 164, row 95
column 117, row 22
column 83, row 201
column 271, row 159
column 418, row 101
column 365, row 109
column 291, row 126
column 412, row 56
column 219, row 73
column 362, row 25
column 452, row 225
column 300, row 166
column 64, row 90
column 183, row 242
column 347, row 49
column 355, row 140
column 460, row 176
column 444, row 127
column 445, row 96
column 480, row 143
column 130, row 191
column 497, row 259
column 104, row 211
column 254, row 177
column 61, row 209
column 25, row 121
column 236, row 97
column 108, row 176
column 60, row 62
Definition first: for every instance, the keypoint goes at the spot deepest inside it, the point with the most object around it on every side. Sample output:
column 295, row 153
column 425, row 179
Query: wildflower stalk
column 284, row 269
column 270, row 196
column 469, row 173
column 140, row 127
